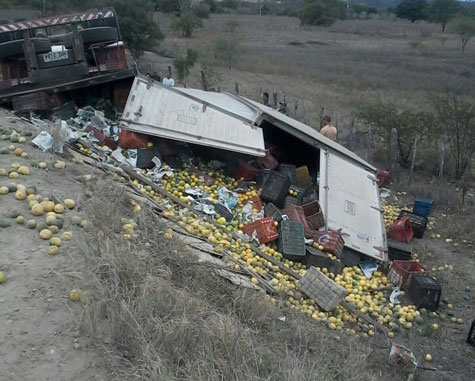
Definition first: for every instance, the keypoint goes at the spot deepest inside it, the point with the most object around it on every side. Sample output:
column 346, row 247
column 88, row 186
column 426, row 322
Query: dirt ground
column 40, row 337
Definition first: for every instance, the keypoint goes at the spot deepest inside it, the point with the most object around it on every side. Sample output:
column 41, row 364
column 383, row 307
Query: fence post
column 393, row 150
column 442, row 160
column 203, row 80
column 236, row 87
column 296, row 106
column 350, row 135
column 274, row 98
column 414, row 153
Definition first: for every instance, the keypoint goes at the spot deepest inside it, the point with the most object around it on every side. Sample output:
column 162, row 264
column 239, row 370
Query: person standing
column 265, row 99
column 283, row 108
column 328, row 130
column 168, row 80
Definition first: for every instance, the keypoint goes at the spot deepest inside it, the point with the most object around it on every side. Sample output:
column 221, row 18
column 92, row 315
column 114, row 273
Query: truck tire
column 15, row 48
column 100, row 34
column 62, row 39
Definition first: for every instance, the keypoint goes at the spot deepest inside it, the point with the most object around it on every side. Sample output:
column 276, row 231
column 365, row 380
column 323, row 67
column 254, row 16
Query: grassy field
column 333, row 68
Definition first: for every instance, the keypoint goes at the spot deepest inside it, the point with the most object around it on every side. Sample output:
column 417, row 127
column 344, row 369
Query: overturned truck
column 239, row 130
column 48, row 62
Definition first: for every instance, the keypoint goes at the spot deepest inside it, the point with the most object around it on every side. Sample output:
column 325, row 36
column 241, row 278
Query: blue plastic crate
column 422, row 206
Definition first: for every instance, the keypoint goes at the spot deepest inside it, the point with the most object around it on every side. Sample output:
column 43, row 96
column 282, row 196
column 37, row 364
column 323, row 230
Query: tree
column 322, row 12
column 456, row 118
column 138, row 29
column 465, row 27
column 187, row 21
column 413, row 10
column 183, row 64
column 441, row 11
column 408, row 123
column 227, row 48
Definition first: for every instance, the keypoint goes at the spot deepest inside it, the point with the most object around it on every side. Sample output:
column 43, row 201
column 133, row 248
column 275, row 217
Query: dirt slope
column 39, row 334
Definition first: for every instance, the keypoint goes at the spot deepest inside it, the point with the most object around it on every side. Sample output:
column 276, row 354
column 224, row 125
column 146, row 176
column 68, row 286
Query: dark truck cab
column 46, row 62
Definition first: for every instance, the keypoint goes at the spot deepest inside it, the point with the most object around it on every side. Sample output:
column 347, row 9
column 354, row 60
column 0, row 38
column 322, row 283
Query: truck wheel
column 101, row 34
column 15, row 48
column 62, row 39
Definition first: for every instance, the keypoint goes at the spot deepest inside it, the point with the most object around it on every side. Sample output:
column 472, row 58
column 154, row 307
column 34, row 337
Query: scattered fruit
column 31, row 224
column 428, row 357
column 20, row 220
column 69, row 203
column 53, row 250
column 37, row 210
column 55, row 241
column 2, row 277
column 75, row 294
column 59, row 208
column 46, row 234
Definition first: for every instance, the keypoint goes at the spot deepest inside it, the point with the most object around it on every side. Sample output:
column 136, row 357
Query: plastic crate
column 256, row 203
column 324, row 291
column 332, row 242
column 303, row 177
column 401, row 272
column 270, row 210
column 310, row 196
column 290, row 171
column 422, row 206
column 264, row 228
column 314, row 215
column 292, row 201
column 383, row 178
column 245, row 171
column 267, row 162
column 300, row 191
column 223, row 212
column 275, row 188
column 424, row 291
column 292, row 240
column 418, row 223
column 262, row 177
column 317, row 258
column 399, row 250
column 296, row 213
column 401, row 230
column 471, row 335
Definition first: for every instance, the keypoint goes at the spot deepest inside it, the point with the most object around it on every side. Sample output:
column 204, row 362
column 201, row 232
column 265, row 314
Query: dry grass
column 172, row 318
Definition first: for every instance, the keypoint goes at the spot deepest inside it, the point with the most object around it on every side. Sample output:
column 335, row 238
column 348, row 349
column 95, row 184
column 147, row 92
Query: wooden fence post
column 296, row 106
column 442, row 160
column 236, row 87
column 414, row 153
column 274, row 98
column 203, row 80
column 393, row 150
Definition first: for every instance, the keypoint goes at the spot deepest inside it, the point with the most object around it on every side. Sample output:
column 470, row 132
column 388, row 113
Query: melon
column 24, row 155
column 50, row 220
column 31, row 224
column 41, row 226
column 24, row 170
column 18, row 151
column 20, row 194
column 69, row 203
column 3, row 172
column 4, row 190
column 59, row 165
column 46, row 234
column 37, row 210
column 58, row 222
column 53, row 229
column 42, row 165
column 34, row 163
column 20, row 220
column 48, row 206
column 5, row 222
column 13, row 175
column 11, row 147
column 15, row 166
column 67, row 236
column 31, row 190
column 4, row 151
column 12, row 187
column 59, row 208
column 21, row 140
column 53, row 250
column 14, row 138
column 55, row 241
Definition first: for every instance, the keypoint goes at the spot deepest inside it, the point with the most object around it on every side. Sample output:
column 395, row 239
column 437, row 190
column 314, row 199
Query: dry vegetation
column 172, row 318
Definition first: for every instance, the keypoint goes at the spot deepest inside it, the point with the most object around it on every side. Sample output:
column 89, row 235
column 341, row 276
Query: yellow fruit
column 371, row 333
column 11, row 147
column 21, row 139
column 50, row 219
column 3, row 190
column 428, row 357
column 67, row 236
column 69, row 203
column 75, row 294
column 42, row 165
column 2, row 277
column 55, row 241
column 51, row 214
column 254, row 280
column 83, row 223
column 24, row 170
column 53, row 250
column 391, row 335
column 20, row 220
column 3, row 172
column 20, row 194
column 46, row 234
column 31, row 197
column 59, row 208
column 13, row 175
column 18, row 151
column 37, row 210
column 48, row 206
column 60, row 165
column 15, row 166
column 53, row 229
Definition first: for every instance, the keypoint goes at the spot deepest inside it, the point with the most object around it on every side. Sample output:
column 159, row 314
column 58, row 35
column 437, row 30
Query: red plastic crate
column 245, row 171
column 256, row 203
column 267, row 162
column 383, row 178
column 332, row 242
column 131, row 140
column 401, row 272
column 265, row 229
column 314, row 215
column 296, row 213
column 401, row 230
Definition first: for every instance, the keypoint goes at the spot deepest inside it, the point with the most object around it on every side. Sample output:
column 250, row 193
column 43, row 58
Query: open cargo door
column 349, row 198
column 192, row 117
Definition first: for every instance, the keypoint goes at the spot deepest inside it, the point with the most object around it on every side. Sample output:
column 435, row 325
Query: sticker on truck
column 55, row 56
